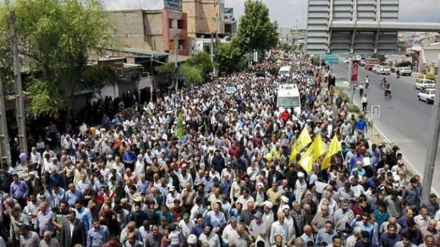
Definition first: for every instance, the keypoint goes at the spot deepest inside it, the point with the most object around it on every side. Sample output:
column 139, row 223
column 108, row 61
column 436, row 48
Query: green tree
column 96, row 77
column 192, row 74
column 256, row 31
column 203, row 61
column 230, row 58
column 381, row 57
column 56, row 38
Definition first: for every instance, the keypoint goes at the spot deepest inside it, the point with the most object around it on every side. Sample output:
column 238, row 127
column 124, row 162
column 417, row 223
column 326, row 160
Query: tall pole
column 350, row 65
column 5, row 149
column 428, row 172
column 176, row 51
column 18, row 87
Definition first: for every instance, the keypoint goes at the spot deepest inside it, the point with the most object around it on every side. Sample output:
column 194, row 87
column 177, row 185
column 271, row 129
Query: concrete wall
column 201, row 16
column 128, row 28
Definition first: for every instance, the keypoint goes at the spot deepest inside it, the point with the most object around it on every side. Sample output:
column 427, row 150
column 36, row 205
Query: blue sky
column 286, row 12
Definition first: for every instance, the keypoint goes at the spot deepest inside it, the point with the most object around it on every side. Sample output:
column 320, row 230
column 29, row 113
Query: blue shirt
column 129, row 157
column 85, row 216
column 71, row 197
column 97, row 237
column 19, row 190
column 44, row 222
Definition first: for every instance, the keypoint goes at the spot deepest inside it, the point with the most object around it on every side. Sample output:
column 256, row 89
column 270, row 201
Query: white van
column 285, row 71
column 288, row 97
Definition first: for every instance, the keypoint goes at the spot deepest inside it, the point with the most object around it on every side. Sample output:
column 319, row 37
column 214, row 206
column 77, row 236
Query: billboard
column 355, row 71
column 175, row 5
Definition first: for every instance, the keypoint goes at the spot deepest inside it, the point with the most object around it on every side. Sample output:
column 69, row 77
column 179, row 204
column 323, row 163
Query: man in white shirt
column 36, row 159
column 230, row 231
column 208, row 237
column 186, row 225
column 279, row 227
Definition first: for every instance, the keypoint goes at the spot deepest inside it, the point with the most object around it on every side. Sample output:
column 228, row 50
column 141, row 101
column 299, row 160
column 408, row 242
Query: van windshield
column 288, row 102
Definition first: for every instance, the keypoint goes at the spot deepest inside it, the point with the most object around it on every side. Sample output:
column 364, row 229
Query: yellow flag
column 335, row 147
column 300, row 143
column 313, row 153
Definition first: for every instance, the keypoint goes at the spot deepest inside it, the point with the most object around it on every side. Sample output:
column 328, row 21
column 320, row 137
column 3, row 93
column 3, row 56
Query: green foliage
column 202, row 61
column 55, row 40
column 286, row 47
column 315, row 61
column 404, row 64
column 96, row 77
column 230, row 58
column 168, row 68
column 43, row 101
column 381, row 57
column 192, row 74
column 256, row 31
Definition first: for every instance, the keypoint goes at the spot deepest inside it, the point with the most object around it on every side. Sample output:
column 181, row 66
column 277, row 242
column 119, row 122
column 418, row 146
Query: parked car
column 426, row 76
column 362, row 62
column 427, row 95
column 425, row 83
column 376, row 68
column 384, row 70
column 405, row 71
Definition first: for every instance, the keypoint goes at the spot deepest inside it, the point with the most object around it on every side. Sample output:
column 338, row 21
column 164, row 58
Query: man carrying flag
column 300, row 143
column 312, row 154
column 334, row 148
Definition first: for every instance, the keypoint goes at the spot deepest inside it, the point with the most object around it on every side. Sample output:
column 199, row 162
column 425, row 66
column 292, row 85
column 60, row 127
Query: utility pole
column 428, row 172
column 350, row 65
column 21, row 121
column 176, row 54
column 5, row 149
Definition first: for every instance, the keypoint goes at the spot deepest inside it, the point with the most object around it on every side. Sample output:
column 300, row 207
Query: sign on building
column 175, row 5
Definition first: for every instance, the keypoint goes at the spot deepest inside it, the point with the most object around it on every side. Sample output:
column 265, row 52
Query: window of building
column 180, row 24
column 170, row 23
column 181, row 44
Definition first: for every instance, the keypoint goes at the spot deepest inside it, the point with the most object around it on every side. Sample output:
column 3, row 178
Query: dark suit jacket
column 78, row 236
column 33, row 188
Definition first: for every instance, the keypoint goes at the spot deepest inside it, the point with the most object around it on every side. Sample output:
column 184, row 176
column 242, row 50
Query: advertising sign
column 354, row 71
column 175, row 5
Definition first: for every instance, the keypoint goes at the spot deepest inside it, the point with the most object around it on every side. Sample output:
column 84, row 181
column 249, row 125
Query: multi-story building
column 151, row 30
column 345, row 26
column 204, row 17
column 229, row 21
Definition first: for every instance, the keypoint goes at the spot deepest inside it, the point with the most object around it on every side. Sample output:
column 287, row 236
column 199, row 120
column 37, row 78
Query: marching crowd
column 211, row 167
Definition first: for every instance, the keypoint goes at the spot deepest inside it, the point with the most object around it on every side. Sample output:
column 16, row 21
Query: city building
column 204, row 17
column 292, row 36
column 152, row 30
column 355, row 32
column 229, row 21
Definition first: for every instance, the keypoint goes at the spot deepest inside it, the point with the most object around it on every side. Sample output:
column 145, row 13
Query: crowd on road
column 212, row 167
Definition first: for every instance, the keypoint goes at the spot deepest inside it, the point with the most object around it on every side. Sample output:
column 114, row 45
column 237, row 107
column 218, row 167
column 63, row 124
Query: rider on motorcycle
column 387, row 88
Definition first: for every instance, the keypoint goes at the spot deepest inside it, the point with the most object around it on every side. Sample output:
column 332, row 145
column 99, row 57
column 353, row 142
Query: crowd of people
column 211, row 167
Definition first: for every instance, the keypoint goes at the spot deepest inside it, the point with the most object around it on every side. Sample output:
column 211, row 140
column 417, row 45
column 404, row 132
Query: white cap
column 268, row 204
column 192, row 239
column 285, row 199
column 285, row 207
column 300, row 174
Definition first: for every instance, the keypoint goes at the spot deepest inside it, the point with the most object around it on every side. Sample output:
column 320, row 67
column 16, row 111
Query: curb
column 382, row 136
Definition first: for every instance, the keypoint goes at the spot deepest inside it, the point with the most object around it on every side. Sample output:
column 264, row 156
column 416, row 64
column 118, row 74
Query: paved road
column 404, row 120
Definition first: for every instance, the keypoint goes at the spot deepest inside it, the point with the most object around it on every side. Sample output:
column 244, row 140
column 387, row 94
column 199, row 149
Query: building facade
column 204, row 17
column 323, row 37
column 229, row 21
column 151, row 30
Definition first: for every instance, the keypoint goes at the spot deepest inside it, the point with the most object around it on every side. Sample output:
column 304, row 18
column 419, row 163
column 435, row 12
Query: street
column 403, row 120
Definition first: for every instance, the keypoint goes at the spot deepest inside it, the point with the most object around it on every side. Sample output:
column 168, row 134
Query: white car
column 425, row 83
column 384, row 70
column 376, row 68
column 427, row 95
